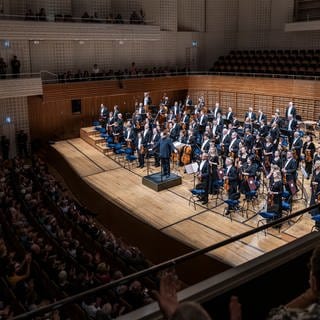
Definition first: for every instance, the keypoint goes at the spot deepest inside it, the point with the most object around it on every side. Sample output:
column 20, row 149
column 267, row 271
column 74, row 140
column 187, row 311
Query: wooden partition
column 51, row 115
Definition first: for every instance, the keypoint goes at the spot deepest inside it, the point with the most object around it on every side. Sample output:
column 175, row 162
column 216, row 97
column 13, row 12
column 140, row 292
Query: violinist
column 129, row 136
column 153, row 142
column 230, row 180
column 308, row 151
column 249, row 170
column 274, row 200
column 297, row 145
column 315, row 187
column 231, row 176
column 268, row 152
column 141, row 146
column 289, row 173
column 276, row 159
column 213, row 163
column 203, row 176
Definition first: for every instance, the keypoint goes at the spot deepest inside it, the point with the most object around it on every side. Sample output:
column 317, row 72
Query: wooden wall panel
column 50, row 116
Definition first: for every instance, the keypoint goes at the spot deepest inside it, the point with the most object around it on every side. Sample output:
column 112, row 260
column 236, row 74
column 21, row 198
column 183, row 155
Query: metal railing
column 161, row 266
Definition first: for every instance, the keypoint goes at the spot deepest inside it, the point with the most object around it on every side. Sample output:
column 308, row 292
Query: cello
column 186, row 154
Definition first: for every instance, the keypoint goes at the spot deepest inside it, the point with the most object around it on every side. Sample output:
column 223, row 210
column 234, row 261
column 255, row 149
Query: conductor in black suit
column 166, row 148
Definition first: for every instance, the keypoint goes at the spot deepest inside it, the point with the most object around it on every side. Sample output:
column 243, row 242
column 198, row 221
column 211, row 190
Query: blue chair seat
column 131, row 158
column 95, row 123
column 285, row 194
column 285, row 205
column 198, row 192
column 269, row 215
column 218, row 183
column 232, row 203
column 109, row 139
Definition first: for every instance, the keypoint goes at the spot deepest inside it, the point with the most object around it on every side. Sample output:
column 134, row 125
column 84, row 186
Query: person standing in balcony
column 15, row 67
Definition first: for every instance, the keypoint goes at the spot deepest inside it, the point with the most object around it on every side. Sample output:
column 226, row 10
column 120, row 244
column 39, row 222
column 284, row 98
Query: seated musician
column 203, row 176
column 308, row 151
column 315, row 187
column 289, row 174
column 274, row 199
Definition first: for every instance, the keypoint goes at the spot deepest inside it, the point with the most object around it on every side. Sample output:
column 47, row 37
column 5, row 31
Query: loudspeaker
column 76, row 106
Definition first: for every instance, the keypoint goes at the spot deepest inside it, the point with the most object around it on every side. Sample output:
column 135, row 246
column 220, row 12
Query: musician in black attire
column 203, row 176
column 274, row 203
column 315, row 187
column 213, row 166
column 289, row 172
column 276, row 159
column 230, row 180
column 166, row 148
column 308, row 151
column 249, row 171
column 297, row 145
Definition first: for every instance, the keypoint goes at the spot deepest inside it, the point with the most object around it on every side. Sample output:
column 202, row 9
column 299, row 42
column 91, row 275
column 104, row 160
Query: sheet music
column 304, row 172
column 192, row 168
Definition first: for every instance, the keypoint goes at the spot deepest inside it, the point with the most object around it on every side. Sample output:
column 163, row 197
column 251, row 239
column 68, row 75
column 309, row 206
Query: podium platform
column 153, row 181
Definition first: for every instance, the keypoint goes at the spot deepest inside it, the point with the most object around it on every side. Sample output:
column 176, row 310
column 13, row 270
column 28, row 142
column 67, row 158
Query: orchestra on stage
column 234, row 153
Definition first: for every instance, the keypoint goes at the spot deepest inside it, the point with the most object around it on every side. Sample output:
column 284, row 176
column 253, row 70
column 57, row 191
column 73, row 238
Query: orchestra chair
column 316, row 219
column 129, row 160
column 233, row 205
column 218, row 185
column 266, row 217
column 250, row 198
column 96, row 124
column 119, row 152
column 196, row 196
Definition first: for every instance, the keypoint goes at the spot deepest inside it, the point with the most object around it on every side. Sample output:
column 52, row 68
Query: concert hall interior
column 146, row 140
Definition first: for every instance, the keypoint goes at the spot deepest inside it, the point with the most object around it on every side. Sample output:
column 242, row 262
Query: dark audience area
column 301, row 62
column 51, row 247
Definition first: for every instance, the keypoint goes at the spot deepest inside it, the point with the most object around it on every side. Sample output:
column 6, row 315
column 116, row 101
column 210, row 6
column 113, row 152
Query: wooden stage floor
column 169, row 210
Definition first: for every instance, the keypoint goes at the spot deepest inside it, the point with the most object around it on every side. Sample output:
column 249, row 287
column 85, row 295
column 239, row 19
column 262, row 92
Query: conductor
column 166, row 148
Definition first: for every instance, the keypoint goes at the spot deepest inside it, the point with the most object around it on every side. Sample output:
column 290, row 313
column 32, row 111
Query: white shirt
column 202, row 164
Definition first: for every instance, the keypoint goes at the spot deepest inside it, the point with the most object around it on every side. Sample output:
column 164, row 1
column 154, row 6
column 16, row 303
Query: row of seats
column 296, row 62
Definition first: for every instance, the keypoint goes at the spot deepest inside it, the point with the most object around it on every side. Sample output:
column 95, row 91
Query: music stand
column 192, row 168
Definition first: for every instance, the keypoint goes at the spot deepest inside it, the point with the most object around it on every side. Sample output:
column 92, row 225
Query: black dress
column 275, row 198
